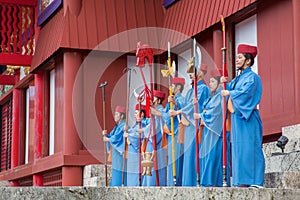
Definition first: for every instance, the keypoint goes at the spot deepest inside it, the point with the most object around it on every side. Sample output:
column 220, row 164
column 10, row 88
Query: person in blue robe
column 189, row 175
column 177, row 99
column 156, row 110
column 116, row 141
column 133, row 149
column 211, row 151
column 244, row 93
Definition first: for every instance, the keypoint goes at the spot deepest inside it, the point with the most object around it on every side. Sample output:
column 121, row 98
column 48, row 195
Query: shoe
column 244, row 185
column 256, row 186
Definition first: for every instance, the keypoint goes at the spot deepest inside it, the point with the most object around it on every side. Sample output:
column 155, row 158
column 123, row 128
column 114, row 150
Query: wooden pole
column 196, row 110
column 224, row 70
column 102, row 86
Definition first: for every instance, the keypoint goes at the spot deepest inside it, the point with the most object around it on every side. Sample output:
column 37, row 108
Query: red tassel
column 148, row 106
column 145, row 94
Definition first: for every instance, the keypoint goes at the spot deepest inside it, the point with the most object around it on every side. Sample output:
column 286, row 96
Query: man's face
column 213, row 84
column 176, row 88
column 240, row 60
column 192, row 76
column 156, row 101
column 138, row 116
column 117, row 117
column 200, row 73
column 173, row 87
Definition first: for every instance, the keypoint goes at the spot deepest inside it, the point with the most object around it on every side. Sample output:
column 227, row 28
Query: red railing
column 17, row 28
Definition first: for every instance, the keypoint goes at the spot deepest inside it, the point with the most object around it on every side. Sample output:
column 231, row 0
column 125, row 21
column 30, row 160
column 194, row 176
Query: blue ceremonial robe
column 132, row 160
column 116, row 141
column 161, row 153
column 178, row 154
column 189, row 174
column 211, row 152
column 248, row 162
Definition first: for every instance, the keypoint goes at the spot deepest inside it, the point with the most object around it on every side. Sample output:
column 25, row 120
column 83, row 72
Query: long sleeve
column 246, row 94
column 212, row 114
column 117, row 139
column 202, row 95
column 133, row 134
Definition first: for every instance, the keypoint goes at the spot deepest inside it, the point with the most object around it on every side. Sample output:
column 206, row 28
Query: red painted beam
column 15, row 59
column 21, row 2
column 7, row 79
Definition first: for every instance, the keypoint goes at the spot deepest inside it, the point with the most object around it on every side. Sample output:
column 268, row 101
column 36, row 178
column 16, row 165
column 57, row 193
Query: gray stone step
column 283, row 163
column 282, row 180
column 153, row 193
column 292, row 132
column 293, row 145
column 4, row 183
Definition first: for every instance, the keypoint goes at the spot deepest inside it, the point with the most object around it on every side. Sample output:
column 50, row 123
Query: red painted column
column 296, row 24
column 15, row 127
column 38, row 121
column 71, row 141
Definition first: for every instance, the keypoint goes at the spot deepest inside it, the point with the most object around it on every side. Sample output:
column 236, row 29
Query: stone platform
column 94, row 175
column 153, row 193
column 282, row 181
column 283, row 169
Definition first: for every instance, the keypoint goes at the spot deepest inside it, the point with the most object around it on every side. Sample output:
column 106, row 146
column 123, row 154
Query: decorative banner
column 44, row 4
column 168, row 2
column 46, row 9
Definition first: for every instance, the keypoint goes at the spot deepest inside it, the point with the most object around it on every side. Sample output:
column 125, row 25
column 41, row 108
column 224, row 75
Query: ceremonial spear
column 224, row 70
column 142, row 52
column 196, row 110
column 102, row 86
column 168, row 73
column 140, row 99
column 125, row 155
column 140, row 143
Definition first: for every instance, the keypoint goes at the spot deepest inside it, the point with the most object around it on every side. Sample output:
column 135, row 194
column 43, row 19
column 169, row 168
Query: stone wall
column 283, row 169
column 94, row 175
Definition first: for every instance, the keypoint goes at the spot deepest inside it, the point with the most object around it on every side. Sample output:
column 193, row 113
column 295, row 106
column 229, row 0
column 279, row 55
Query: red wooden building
column 52, row 117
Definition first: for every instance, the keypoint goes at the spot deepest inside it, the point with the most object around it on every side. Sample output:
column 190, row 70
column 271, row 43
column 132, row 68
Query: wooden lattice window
column 6, row 135
column 26, row 181
column 53, row 177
